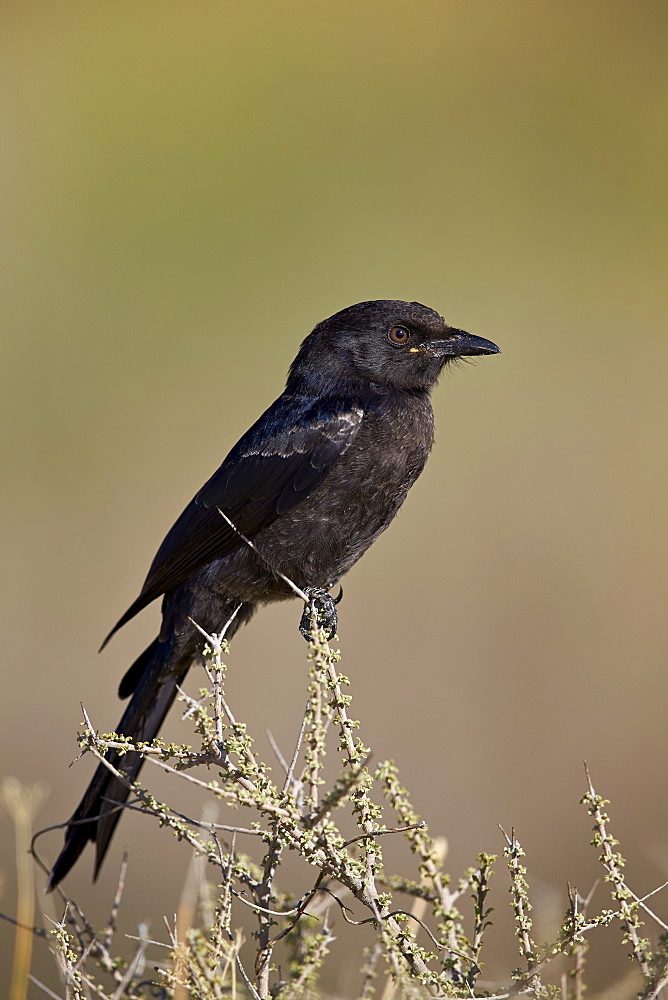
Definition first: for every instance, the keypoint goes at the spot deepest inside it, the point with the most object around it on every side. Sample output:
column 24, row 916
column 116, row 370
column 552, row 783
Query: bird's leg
column 323, row 604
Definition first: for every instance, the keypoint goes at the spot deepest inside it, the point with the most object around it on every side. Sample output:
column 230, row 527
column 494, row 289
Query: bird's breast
column 323, row 536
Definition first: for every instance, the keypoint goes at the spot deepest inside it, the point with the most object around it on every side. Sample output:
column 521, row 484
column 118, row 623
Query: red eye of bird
column 399, row 335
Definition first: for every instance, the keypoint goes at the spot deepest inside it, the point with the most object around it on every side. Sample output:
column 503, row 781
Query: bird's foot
column 323, row 606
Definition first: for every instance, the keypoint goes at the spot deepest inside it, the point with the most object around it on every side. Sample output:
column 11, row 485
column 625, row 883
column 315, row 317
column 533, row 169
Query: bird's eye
column 399, row 335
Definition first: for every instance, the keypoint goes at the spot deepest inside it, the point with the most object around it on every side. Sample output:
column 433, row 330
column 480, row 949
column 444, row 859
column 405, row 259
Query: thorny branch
column 301, row 814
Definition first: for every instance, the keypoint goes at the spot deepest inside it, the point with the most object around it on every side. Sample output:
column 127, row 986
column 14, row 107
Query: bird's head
column 403, row 345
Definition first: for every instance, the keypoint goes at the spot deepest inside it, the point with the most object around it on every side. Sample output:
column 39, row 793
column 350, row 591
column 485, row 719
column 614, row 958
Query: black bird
column 312, row 484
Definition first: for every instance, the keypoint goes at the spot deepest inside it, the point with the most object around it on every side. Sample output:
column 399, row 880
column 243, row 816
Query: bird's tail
column 152, row 680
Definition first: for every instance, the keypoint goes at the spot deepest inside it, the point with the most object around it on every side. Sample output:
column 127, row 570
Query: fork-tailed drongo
column 313, row 483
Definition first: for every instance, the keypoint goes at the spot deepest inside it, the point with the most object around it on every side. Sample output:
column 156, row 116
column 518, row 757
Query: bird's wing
column 276, row 464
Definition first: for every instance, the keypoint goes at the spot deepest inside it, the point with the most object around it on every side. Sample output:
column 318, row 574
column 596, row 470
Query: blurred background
column 186, row 191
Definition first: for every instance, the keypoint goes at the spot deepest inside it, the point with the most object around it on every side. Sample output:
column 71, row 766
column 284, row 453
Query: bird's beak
column 460, row 344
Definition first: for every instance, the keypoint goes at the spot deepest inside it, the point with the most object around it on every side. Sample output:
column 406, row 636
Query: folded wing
column 283, row 457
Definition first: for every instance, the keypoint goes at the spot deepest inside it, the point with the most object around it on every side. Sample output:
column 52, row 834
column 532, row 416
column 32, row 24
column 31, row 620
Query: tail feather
column 100, row 808
column 133, row 675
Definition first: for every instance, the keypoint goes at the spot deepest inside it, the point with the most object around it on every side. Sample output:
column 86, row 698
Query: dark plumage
column 313, row 483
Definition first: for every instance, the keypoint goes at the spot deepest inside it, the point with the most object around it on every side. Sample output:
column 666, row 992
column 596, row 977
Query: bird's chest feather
column 381, row 465
column 322, row 537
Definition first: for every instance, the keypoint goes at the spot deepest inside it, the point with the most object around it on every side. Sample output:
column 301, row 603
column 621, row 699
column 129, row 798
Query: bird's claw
column 323, row 605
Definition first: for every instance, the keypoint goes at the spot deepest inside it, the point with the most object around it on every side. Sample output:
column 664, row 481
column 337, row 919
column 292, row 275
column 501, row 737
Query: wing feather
column 277, row 464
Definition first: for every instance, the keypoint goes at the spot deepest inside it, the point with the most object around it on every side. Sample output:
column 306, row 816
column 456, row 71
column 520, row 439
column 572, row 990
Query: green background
column 187, row 189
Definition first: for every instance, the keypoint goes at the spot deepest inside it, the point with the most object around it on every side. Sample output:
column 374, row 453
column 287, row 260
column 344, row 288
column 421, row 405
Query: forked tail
column 153, row 681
